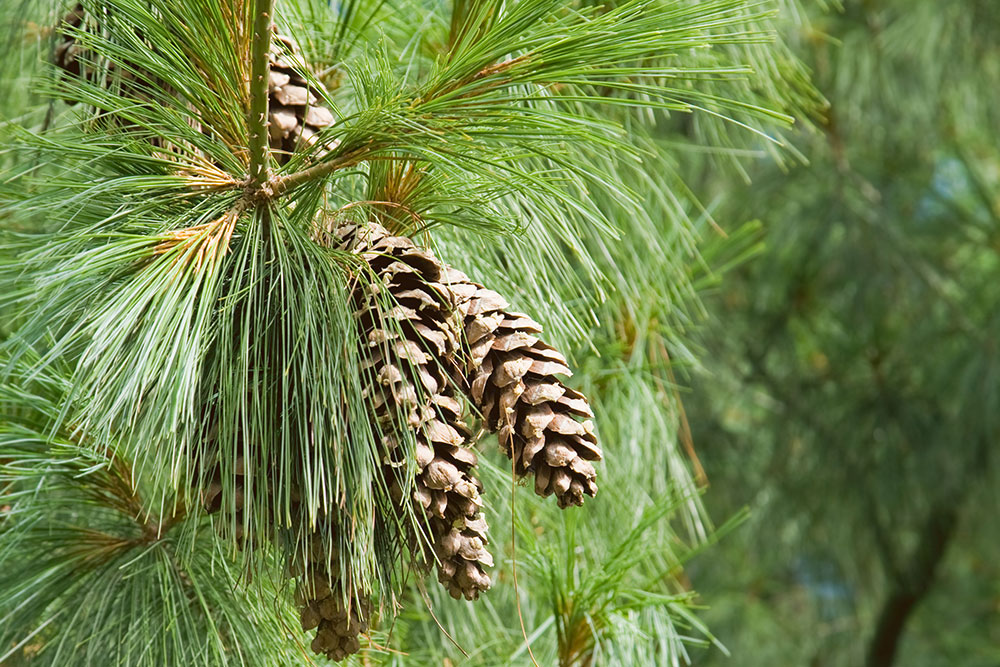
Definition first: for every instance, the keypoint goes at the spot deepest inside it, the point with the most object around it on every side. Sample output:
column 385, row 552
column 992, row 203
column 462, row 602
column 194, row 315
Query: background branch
column 909, row 591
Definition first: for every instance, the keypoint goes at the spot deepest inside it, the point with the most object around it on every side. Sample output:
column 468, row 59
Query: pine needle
column 513, row 560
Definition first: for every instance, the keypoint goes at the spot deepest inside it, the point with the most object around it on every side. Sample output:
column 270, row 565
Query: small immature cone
column 409, row 350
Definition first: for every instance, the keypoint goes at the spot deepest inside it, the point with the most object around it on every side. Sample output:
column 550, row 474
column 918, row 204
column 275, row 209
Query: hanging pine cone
column 509, row 373
column 413, row 391
column 330, row 606
column 325, row 604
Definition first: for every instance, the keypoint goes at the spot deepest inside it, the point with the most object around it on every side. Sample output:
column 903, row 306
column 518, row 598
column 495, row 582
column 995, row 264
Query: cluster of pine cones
column 433, row 342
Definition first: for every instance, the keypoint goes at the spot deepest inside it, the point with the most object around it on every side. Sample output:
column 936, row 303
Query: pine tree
column 244, row 358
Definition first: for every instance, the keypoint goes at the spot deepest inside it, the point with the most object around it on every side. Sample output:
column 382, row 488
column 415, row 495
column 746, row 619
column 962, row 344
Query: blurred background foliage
column 850, row 393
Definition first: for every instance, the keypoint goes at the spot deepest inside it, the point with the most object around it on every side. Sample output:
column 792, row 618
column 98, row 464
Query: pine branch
column 935, row 536
column 203, row 337
column 98, row 565
column 259, row 70
column 532, row 77
column 286, row 183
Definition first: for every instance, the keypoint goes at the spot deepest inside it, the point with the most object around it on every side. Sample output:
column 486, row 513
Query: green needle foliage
column 96, row 573
column 175, row 313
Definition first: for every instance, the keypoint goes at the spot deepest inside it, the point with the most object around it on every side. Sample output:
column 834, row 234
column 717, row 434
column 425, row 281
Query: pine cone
column 339, row 618
column 511, row 376
column 418, row 394
column 293, row 111
column 294, row 114
column 509, row 373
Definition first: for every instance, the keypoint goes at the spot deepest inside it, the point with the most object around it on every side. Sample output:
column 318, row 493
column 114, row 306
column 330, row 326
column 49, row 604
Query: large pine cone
column 409, row 346
column 509, row 373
